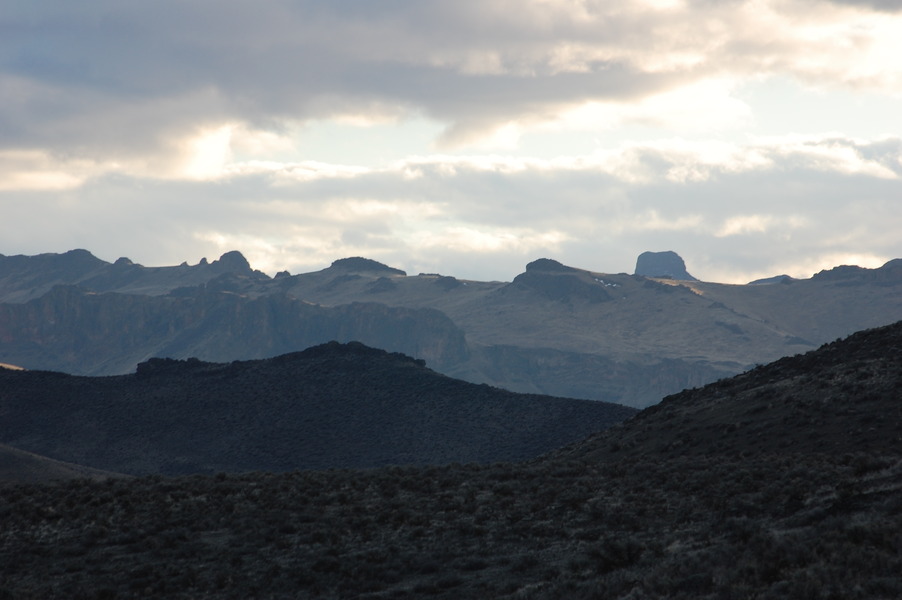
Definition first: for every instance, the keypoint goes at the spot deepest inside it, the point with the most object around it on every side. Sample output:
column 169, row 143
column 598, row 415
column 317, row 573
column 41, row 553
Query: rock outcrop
column 662, row 264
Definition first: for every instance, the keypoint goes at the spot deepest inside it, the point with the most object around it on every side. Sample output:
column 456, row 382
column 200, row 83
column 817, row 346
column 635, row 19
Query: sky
column 468, row 138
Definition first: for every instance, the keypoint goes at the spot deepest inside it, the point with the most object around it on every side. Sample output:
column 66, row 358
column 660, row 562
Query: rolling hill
column 330, row 406
column 845, row 397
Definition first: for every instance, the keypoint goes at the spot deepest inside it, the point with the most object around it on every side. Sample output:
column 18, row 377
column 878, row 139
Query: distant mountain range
column 330, row 406
column 553, row 329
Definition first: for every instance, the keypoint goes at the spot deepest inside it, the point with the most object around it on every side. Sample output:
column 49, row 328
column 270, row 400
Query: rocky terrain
column 667, row 264
column 771, row 493
column 553, row 329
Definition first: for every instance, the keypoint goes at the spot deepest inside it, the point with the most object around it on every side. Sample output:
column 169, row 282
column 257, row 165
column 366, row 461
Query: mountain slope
column 332, row 405
column 841, row 398
column 72, row 330
column 18, row 467
column 728, row 517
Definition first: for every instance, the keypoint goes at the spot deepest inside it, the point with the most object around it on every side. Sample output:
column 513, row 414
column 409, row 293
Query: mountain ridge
column 553, row 329
column 330, row 406
column 840, row 398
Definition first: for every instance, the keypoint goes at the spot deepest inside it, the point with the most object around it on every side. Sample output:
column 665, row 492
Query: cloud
column 801, row 201
column 107, row 79
column 174, row 129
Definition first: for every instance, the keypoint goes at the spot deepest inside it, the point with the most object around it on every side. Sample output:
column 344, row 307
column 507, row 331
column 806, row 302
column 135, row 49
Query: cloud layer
column 584, row 130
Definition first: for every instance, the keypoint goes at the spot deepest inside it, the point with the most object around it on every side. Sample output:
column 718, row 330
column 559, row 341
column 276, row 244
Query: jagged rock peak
column 662, row 264
column 548, row 264
column 233, row 261
column 357, row 263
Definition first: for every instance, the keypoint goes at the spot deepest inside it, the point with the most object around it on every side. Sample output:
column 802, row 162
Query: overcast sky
column 464, row 137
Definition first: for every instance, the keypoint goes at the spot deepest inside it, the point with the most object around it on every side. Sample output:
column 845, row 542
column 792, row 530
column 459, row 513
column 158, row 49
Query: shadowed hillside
column 725, row 518
column 18, row 466
column 844, row 397
column 334, row 405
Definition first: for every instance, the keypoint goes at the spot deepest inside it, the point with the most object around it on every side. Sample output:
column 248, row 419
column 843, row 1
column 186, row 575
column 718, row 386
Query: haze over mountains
column 553, row 329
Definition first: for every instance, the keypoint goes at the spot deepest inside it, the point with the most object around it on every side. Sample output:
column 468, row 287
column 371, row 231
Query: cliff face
column 80, row 332
column 663, row 264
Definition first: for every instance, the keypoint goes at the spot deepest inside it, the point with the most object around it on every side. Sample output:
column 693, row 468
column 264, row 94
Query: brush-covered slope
column 334, row 405
column 844, row 397
column 18, row 467
column 729, row 517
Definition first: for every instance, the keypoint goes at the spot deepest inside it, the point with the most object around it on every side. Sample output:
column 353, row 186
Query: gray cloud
column 481, row 221
column 891, row 6
column 99, row 98
column 113, row 77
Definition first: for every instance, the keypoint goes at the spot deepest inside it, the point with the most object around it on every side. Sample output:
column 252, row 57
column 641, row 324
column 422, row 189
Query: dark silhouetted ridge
column 333, row 405
column 843, row 397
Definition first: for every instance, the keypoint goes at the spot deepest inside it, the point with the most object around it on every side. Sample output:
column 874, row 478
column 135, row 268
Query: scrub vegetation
column 628, row 513
column 769, row 527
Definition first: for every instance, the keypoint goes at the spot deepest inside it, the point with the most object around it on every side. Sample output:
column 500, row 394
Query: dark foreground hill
column 20, row 466
column 334, row 405
column 844, row 397
column 765, row 521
